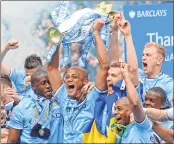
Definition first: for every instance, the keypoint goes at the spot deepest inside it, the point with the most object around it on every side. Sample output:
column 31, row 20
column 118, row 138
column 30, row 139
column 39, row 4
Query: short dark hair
column 159, row 91
column 6, row 80
column 84, row 71
column 36, row 74
column 32, row 61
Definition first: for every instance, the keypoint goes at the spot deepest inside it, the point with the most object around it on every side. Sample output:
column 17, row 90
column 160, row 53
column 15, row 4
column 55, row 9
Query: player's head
column 155, row 98
column 32, row 64
column 152, row 58
column 40, row 84
column 114, row 74
column 75, row 78
column 122, row 111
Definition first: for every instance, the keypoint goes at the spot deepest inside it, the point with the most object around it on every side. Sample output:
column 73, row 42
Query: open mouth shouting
column 110, row 85
column 71, row 89
column 118, row 119
column 145, row 66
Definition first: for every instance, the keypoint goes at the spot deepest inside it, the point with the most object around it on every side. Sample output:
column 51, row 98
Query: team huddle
column 124, row 105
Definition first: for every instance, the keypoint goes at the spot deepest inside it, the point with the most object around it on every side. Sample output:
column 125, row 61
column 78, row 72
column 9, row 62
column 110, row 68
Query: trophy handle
column 54, row 35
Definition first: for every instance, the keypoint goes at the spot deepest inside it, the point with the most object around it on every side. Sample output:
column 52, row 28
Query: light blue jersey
column 76, row 116
column 22, row 119
column 22, row 88
column 161, row 80
column 139, row 132
column 9, row 107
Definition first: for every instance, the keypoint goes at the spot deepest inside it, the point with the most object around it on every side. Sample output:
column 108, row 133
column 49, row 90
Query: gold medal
column 41, row 132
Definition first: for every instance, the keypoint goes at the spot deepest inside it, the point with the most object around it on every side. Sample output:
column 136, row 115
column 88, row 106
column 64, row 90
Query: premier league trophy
column 78, row 28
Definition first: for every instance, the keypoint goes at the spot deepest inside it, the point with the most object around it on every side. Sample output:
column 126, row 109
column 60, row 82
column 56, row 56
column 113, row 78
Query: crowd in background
column 42, row 22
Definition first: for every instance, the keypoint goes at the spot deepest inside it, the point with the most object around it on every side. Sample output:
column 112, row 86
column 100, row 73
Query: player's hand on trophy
column 98, row 24
column 117, row 19
column 12, row 44
column 125, row 27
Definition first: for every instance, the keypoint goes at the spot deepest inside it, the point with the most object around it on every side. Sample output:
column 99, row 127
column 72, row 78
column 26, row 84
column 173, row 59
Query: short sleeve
column 170, row 114
column 101, row 92
column 16, row 119
column 95, row 93
column 60, row 94
column 16, row 75
column 146, row 124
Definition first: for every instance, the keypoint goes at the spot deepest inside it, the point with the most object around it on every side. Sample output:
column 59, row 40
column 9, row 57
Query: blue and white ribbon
column 51, row 52
column 86, row 49
column 54, row 18
column 79, row 32
column 85, row 33
column 57, row 20
column 44, row 106
column 66, row 53
column 80, row 23
column 105, row 30
column 62, row 12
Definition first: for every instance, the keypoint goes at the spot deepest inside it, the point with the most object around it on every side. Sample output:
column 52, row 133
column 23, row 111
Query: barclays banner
column 153, row 23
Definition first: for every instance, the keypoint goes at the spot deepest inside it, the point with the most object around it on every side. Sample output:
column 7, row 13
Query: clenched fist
column 12, row 44
column 124, row 69
column 98, row 24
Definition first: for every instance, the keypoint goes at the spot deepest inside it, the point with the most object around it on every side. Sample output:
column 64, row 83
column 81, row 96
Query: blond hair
column 160, row 49
column 115, row 64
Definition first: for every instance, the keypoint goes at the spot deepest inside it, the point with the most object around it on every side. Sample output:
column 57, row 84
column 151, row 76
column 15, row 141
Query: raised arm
column 125, row 29
column 53, row 71
column 156, row 114
column 102, row 56
column 114, row 49
column 11, row 44
column 132, row 94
